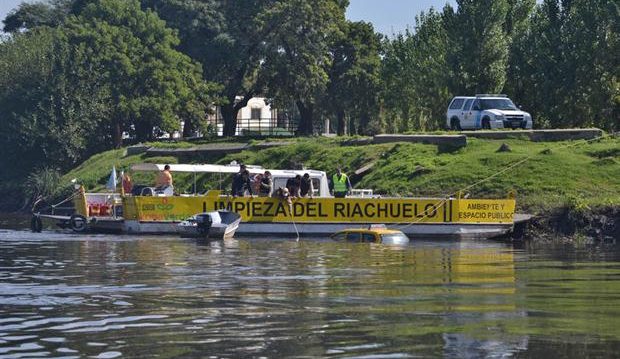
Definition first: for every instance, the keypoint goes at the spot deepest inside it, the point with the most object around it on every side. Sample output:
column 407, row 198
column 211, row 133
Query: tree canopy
column 73, row 90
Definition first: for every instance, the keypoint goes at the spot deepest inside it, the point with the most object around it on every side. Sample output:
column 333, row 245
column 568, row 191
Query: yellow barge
column 321, row 215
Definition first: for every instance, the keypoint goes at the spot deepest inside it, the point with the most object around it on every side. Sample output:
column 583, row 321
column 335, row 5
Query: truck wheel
column 455, row 124
column 486, row 123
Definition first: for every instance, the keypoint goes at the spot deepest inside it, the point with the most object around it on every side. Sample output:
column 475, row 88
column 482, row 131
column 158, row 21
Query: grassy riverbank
column 575, row 180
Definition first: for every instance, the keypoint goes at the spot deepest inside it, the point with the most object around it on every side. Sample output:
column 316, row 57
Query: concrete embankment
column 442, row 140
column 539, row 135
column 456, row 141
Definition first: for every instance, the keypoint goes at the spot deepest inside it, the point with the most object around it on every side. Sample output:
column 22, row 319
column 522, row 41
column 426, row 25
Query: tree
column 430, row 71
column 31, row 15
column 298, row 53
column 478, row 49
column 228, row 40
column 518, row 24
column 591, row 50
column 130, row 52
column 567, row 72
column 398, row 82
column 354, row 80
column 68, row 92
column 416, row 76
column 518, row 16
column 25, row 136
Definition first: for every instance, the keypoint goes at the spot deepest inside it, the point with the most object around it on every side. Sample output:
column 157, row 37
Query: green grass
column 571, row 173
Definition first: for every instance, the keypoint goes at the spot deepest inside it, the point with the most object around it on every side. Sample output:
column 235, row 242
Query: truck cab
column 485, row 111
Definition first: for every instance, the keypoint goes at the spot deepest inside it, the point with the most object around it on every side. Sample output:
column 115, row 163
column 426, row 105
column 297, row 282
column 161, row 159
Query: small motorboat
column 211, row 225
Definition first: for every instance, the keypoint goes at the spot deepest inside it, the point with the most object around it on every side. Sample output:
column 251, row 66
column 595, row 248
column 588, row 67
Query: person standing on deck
column 127, row 183
column 256, row 181
column 292, row 184
column 306, row 188
column 241, row 183
column 163, row 183
column 266, row 185
column 340, row 185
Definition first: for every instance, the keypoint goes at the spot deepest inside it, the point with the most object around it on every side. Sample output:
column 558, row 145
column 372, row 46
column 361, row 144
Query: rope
column 53, row 206
column 296, row 231
column 71, row 197
column 443, row 202
column 292, row 215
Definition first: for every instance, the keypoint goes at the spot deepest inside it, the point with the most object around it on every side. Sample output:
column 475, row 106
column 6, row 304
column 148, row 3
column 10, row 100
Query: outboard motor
column 203, row 223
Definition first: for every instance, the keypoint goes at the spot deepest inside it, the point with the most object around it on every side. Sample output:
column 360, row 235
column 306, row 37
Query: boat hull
column 419, row 231
column 290, row 229
column 222, row 232
column 221, row 225
column 450, row 218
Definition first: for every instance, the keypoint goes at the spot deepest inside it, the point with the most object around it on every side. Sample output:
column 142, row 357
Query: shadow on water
column 103, row 296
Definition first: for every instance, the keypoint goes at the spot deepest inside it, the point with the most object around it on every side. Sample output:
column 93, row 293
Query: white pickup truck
column 485, row 111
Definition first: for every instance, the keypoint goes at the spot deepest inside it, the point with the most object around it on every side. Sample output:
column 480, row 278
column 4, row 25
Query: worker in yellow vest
column 340, row 185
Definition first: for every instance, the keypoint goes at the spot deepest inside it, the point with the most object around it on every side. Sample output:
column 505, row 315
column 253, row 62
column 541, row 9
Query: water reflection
column 101, row 296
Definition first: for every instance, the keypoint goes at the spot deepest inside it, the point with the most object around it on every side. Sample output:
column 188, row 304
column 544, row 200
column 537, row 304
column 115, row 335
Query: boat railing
column 361, row 193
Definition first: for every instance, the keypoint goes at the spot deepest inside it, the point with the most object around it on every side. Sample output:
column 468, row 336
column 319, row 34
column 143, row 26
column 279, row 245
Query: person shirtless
column 163, row 182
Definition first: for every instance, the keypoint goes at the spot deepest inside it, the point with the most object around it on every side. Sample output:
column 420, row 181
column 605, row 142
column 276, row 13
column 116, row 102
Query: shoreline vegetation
column 81, row 78
column 570, row 187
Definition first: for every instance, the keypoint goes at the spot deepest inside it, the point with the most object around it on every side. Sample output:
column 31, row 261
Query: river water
column 101, row 296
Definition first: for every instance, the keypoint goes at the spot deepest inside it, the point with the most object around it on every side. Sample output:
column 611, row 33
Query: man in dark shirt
column 292, row 184
column 241, row 183
column 305, row 187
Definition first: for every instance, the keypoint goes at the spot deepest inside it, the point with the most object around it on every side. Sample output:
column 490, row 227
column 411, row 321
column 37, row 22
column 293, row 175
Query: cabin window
column 353, row 237
column 339, row 236
column 457, row 104
column 476, row 106
column 368, row 237
column 467, row 105
column 281, row 182
column 316, row 184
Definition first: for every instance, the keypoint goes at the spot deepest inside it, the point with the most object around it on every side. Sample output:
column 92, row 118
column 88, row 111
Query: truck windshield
column 497, row 104
column 394, row 238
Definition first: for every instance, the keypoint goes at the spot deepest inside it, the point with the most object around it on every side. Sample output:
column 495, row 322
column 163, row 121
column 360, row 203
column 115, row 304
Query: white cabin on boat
column 319, row 178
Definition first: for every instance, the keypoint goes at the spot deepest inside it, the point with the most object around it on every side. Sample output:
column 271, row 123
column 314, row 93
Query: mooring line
column 290, row 211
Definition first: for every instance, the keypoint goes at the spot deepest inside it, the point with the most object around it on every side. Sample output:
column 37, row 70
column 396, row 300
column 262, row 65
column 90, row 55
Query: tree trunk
column 144, row 131
column 229, row 115
column 188, row 128
column 117, row 134
column 341, row 126
column 352, row 128
column 364, row 122
column 230, row 112
column 306, row 113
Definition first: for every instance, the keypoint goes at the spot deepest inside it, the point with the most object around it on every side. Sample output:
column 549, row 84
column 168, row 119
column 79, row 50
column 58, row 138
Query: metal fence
column 272, row 127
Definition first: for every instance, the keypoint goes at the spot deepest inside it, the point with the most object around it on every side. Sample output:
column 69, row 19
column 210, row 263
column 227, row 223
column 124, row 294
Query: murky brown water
column 64, row 295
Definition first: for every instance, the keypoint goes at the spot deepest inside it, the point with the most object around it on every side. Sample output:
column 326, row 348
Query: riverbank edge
column 571, row 216
column 569, row 224
column 566, row 224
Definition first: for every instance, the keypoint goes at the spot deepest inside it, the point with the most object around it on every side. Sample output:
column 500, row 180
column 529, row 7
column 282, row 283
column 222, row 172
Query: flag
column 111, row 185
